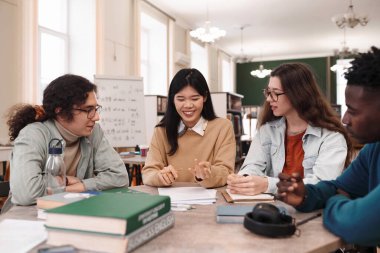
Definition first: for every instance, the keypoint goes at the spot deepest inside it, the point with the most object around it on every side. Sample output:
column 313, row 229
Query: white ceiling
column 279, row 29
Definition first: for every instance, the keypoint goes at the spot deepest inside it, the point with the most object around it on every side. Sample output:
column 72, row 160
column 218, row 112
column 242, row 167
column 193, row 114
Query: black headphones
column 266, row 219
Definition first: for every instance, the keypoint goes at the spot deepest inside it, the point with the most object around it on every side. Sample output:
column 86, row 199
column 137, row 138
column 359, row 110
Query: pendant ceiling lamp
column 242, row 58
column 350, row 19
column 208, row 33
column 343, row 53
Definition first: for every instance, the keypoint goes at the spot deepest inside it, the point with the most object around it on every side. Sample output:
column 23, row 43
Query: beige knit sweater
column 217, row 146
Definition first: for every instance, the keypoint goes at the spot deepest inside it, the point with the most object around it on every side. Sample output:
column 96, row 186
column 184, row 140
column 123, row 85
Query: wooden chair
column 4, row 187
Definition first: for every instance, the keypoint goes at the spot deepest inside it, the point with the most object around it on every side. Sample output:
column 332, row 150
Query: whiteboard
column 123, row 115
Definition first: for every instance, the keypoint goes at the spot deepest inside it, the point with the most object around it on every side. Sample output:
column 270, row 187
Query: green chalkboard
column 251, row 87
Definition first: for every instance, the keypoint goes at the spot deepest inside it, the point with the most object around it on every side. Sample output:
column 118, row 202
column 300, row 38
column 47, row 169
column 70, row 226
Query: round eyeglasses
column 90, row 111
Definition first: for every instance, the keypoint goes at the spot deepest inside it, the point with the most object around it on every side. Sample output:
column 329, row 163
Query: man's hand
column 291, row 189
column 72, row 180
column 247, row 185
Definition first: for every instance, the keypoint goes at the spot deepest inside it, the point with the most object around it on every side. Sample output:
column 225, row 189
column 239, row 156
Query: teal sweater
column 355, row 220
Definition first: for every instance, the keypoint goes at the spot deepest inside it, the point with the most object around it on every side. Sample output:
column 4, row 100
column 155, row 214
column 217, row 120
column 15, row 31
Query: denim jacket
column 325, row 154
column 99, row 167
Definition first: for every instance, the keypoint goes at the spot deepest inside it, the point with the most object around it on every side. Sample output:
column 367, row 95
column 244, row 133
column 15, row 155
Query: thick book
column 110, row 243
column 236, row 213
column 232, row 213
column 239, row 198
column 61, row 199
column 118, row 213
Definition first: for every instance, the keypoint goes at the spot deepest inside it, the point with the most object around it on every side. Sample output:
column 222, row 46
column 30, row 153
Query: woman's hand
column 246, row 185
column 168, row 175
column 201, row 170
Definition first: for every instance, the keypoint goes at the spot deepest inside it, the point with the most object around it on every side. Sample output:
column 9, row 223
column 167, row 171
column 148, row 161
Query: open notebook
column 236, row 198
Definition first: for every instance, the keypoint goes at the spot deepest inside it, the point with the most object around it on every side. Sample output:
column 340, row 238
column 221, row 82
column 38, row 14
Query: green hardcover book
column 117, row 212
column 100, row 242
column 64, row 198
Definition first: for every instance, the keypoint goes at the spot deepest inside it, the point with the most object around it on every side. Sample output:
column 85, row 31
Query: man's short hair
column 365, row 69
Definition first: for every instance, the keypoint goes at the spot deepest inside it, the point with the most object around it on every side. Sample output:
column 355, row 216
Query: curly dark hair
column 64, row 92
column 365, row 69
column 171, row 120
column 300, row 85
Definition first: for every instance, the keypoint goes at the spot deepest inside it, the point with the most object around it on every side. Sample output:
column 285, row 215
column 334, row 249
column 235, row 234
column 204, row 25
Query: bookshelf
column 250, row 116
column 228, row 105
column 155, row 108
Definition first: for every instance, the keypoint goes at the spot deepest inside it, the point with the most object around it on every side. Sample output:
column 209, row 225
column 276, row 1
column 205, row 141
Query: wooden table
column 196, row 230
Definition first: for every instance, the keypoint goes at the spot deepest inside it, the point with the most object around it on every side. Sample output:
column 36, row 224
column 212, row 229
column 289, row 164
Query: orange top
column 293, row 154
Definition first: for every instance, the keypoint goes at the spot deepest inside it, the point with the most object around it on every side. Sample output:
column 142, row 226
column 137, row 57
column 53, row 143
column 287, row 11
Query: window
column 199, row 59
column 66, row 31
column 53, row 37
column 226, row 75
column 153, row 51
column 341, row 83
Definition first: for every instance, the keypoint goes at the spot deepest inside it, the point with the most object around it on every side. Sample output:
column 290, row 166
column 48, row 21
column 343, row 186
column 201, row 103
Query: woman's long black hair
column 171, row 119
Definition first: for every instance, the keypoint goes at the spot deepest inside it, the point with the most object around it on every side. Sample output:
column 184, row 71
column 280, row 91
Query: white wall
column 10, row 64
column 213, row 69
column 116, row 38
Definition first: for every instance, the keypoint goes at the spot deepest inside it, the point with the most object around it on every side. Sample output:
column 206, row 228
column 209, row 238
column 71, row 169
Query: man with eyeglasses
column 69, row 112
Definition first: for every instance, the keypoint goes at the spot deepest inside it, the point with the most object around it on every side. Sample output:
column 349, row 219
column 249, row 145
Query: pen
column 182, row 206
column 301, row 222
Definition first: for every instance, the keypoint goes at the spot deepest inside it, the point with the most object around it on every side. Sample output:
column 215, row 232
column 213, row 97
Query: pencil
column 301, row 222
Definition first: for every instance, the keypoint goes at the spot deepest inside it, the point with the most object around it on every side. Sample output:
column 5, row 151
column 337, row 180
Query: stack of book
column 110, row 221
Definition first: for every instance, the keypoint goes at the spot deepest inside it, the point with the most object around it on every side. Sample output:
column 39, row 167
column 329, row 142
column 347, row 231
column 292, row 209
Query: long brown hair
column 300, row 86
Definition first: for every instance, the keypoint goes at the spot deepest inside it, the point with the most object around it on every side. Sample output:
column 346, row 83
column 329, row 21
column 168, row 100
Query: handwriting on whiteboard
column 122, row 117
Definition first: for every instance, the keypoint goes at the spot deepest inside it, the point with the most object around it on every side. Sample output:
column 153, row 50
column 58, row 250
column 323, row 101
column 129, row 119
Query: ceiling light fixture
column 343, row 53
column 208, row 33
column 261, row 72
column 349, row 19
column 242, row 58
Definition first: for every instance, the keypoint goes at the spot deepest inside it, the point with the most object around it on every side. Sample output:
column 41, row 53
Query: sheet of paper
column 20, row 236
column 189, row 195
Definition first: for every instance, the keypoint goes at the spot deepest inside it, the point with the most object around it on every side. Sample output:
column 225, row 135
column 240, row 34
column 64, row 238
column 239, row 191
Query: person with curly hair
column 190, row 144
column 298, row 132
column 351, row 202
column 69, row 112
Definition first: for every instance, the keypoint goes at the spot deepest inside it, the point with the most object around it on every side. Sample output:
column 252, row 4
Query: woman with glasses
column 190, row 144
column 298, row 132
column 69, row 112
